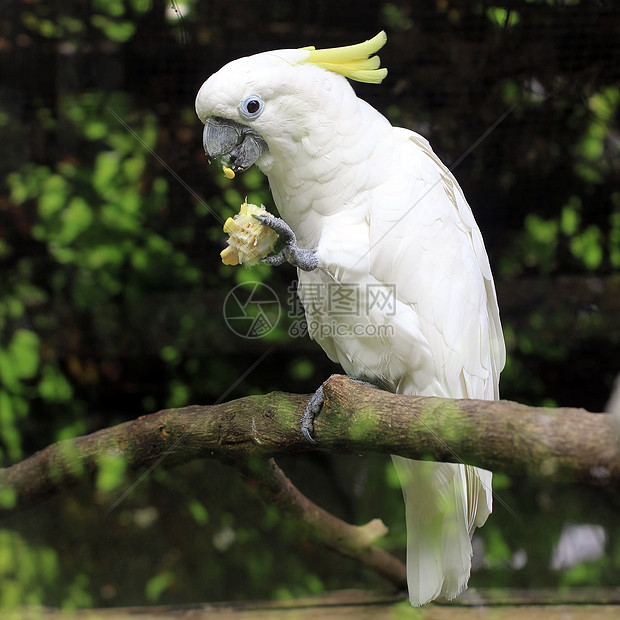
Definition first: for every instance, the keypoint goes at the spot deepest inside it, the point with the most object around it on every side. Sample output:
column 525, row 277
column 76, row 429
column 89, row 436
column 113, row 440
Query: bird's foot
column 315, row 405
column 306, row 260
column 312, row 409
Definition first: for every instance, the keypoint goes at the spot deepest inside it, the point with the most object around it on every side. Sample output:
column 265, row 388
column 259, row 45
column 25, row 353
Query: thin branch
column 270, row 483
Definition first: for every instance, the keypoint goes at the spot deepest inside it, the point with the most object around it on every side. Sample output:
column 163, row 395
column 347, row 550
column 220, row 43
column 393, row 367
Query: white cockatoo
column 393, row 273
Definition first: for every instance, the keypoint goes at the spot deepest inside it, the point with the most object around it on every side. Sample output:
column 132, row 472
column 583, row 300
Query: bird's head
column 257, row 107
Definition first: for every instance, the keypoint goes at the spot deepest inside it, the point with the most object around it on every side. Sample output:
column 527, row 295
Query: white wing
column 432, row 252
column 425, row 241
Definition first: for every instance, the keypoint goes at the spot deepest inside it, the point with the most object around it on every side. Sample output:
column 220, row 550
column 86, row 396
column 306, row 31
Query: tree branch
column 556, row 444
column 270, row 483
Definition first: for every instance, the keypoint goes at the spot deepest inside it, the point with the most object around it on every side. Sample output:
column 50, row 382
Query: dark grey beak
column 239, row 145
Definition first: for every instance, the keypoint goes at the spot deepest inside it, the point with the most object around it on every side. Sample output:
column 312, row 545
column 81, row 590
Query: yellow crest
column 353, row 61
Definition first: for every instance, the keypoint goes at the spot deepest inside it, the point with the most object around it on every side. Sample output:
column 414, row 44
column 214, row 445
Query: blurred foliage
column 112, row 291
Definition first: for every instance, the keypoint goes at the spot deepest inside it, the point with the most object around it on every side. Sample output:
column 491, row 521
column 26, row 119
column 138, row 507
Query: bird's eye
column 251, row 107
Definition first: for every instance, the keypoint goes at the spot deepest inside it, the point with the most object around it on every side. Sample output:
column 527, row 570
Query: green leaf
column 496, row 551
column 614, row 240
column 502, row 17
column 149, row 132
column 24, row 352
column 141, row 6
column 593, row 142
column 140, row 259
column 543, row 231
column 8, row 376
column 170, row 354
column 103, row 255
column 604, row 103
column 179, row 394
column 71, row 25
column 115, row 8
column 77, row 217
column 115, row 217
column 301, row 369
column 198, row 512
column 53, row 386
column 9, row 433
column 95, row 130
column 19, row 191
column 133, row 167
column 6, row 408
column 53, row 197
column 8, row 499
column 588, row 247
column 571, row 218
column 157, row 585
column 120, row 31
column 107, row 166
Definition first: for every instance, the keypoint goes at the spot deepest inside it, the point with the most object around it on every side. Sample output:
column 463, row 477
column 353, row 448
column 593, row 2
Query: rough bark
column 555, row 444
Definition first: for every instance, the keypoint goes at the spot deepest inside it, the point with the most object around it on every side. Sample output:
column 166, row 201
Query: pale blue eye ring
column 251, row 107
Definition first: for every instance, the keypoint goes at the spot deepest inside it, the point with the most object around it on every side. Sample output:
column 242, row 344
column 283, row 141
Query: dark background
column 112, row 289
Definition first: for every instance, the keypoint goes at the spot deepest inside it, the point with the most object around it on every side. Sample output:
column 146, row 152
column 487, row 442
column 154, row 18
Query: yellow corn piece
column 229, row 256
column 250, row 240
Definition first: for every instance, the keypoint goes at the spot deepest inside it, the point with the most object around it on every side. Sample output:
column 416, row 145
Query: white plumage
column 387, row 218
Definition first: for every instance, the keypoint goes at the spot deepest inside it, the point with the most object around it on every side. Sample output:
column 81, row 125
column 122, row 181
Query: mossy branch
column 551, row 444
column 561, row 444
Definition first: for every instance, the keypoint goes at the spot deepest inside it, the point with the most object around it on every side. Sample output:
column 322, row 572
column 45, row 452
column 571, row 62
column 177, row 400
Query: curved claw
column 304, row 259
column 275, row 260
column 280, row 226
column 307, row 436
column 312, row 409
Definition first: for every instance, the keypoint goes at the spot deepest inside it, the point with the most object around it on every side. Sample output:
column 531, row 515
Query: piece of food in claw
column 250, row 240
column 229, row 173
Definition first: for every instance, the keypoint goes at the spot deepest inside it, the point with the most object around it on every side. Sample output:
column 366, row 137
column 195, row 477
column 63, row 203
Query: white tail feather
column 444, row 503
